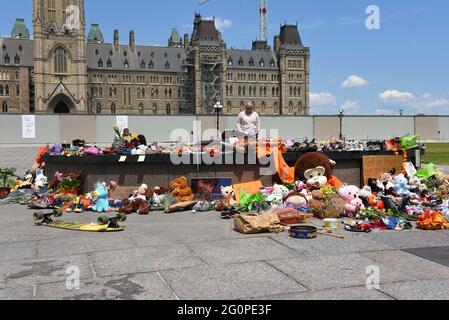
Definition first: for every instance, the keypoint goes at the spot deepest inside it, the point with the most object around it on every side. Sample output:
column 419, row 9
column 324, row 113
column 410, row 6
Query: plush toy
column 229, row 196
column 375, row 202
column 376, row 185
column 316, row 169
column 180, row 190
column 401, row 185
column 41, row 180
column 138, row 202
column 297, row 200
column 351, row 195
column 101, row 198
column 158, row 197
column 417, row 184
column 326, row 203
column 278, row 194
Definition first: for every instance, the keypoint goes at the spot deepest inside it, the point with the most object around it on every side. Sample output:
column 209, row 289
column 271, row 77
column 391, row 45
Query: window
column 230, row 62
column 126, row 64
column 109, row 63
column 262, row 63
column 4, row 47
column 113, row 109
column 98, row 108
column 1, row 90
column 60, row 61
column 241, row 62
column 168, row 109
column 272, row 63
column 17, row 90
column 110, row 92
column 167, row 65
column 142, row 64
column 17, row 59
column 141, row 108
column 7, row 59
column 96, row 52
column 251, row 62
column 6, row 90
column 151, row 65
column 100, row 63
column 155, row 108
column 4, row 107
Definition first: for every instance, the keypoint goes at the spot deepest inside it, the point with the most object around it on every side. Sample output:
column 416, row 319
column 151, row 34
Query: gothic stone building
column 59, row 71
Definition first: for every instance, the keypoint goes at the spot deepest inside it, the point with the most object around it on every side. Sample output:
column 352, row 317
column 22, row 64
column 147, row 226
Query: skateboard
column 104, row 223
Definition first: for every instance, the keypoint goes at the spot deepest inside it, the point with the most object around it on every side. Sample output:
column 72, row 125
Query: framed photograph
column 209, row 188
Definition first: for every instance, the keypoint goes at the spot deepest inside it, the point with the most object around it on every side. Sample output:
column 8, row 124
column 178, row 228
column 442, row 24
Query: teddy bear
column 138, row 202
column 351, row 196
column 180, row 190
column 401, row 185
column 278, row 194
column 326, row 206
column 316, row 170
column 229, row 196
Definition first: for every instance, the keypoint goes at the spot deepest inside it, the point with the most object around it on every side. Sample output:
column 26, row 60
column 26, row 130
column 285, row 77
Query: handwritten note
column 375, row 166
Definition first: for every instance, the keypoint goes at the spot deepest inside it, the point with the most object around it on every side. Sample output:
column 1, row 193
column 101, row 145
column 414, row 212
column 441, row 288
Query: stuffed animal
column 180, row 190
column 376, row 185
column 326, row 203
column 417, row 184
column 316, row 170
column 401, row 185
column 229, row 196
column 375, row 202
column 278, row 194
column 101, row 198
column 297, row 200
column 351, row 195
column 138, row 202
column 41, row 180
column 158, row 197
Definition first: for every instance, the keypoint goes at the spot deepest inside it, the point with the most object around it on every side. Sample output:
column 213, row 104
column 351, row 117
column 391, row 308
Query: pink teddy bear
column 351, row 195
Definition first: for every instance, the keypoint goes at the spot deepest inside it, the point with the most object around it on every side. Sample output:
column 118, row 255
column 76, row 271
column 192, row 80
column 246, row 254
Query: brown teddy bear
column 180, row 190
column 138, row 202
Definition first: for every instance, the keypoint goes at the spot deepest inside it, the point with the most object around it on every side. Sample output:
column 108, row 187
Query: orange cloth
column 432, row 221
column 286, row 174
column 335, row 182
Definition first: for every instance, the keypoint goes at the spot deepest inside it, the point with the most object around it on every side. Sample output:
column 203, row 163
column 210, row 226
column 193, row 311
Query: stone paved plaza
column 187, row 256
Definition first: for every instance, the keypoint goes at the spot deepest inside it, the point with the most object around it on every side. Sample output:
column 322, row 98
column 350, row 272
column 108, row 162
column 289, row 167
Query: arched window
column 273, row 92
column 115, row 92
column 126, row 64
column 100, row 91
column 290, row 107
column 295, row 91
column 110, row 92
column 95, row 92
column 264, row 91
column 143, row 93
column 113, row 109
column 6, row 90
column 7, row 59
column 100, row 63
column 262, row 62
column 143, row 64
column 17, row 90
column 240, row 91
column 167, row 65
column 170, row 94
column 98, row 108
column 60, row 61
column 250, row 91
column 4, row 107
column 272, row 63
column 168, row 109
column 229, row 107
column 155, row 108
column 230, row 62
column 1, row 90
column 260, row 92
column 276, row 109
column 17, row 59
column 151, row 65
column 109, row 63
column 241, row 62
column 141, row 108
column 251, row 62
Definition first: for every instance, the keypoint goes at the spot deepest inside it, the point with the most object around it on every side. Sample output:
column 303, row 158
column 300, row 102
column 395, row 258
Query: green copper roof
column 95, row 35
column 20, row 30
column 175, row 37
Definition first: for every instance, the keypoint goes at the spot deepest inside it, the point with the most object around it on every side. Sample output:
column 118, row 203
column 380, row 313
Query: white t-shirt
column 248, row 124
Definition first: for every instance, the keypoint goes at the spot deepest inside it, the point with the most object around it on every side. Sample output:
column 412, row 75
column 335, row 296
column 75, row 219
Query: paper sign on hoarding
column 28, row 127
column 375, row 166
column 122, row 122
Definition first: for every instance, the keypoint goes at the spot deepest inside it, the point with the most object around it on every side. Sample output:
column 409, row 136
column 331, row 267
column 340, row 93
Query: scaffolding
column 187, row 89
column 211, row 85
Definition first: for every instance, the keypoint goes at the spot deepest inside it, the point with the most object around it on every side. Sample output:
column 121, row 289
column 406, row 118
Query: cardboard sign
column 375, row 166
column 249, row 187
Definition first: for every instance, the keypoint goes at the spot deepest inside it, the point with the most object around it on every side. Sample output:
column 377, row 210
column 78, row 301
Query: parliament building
column 60, row 70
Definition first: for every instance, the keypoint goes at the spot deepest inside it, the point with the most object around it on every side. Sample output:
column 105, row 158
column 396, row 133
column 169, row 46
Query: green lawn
column 437, row 153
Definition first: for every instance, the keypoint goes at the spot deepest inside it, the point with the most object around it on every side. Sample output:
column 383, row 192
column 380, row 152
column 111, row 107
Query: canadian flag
column 263, row 10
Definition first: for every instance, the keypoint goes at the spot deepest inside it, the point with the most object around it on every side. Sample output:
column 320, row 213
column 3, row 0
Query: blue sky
column 403, row 65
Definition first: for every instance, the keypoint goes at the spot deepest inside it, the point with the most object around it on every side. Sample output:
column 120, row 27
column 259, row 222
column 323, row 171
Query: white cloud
column 422, row 104
column 322, row 99
column 395, row 96
column 354, row 82
column 351, row 106
column 385, row 112
column 221, row 24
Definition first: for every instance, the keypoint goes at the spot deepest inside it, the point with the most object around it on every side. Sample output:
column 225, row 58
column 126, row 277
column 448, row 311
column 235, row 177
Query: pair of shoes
column 229, row 214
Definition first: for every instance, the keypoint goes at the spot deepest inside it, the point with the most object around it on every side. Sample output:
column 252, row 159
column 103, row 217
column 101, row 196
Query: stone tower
column 60, row 73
